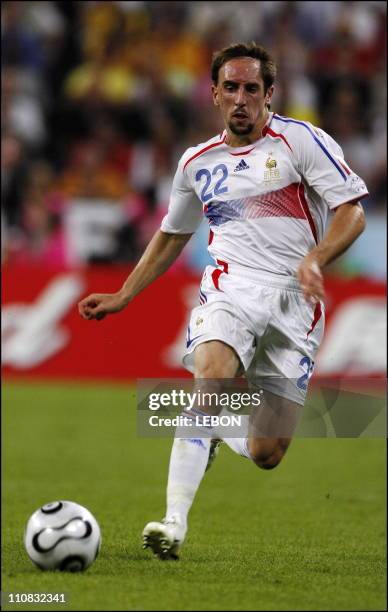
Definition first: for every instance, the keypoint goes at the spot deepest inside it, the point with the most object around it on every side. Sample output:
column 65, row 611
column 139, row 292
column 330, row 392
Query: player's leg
column 267, row 453
column 213, row 361
column 282, row 368
column 214, row 328
column 221, row 319
column 271, row 428
column 271, row 425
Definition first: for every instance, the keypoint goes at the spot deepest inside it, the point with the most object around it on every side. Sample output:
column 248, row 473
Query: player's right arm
column 161, row 252
column 183, row 217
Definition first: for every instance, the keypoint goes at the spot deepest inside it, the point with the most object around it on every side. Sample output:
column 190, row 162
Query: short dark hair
column 267, row 63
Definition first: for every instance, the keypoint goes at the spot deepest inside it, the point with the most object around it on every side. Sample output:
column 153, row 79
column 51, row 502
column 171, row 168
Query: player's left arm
column 320, row 161
column 348, row 223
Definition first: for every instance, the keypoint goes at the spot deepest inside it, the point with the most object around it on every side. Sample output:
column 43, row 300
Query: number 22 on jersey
column 220, row 173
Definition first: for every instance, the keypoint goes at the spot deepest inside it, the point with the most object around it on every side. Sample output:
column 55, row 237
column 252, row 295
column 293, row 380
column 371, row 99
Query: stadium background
column 99, row 100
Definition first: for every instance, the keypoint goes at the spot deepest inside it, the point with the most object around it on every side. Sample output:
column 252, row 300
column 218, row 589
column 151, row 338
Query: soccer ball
column 62, row 536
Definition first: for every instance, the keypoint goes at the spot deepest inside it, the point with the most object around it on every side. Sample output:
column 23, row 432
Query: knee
column 209, row 369
column 215, row 360
column 266, row 454
column 268, row 463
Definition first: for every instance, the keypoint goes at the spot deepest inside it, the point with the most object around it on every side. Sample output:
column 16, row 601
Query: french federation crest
column 272, row 173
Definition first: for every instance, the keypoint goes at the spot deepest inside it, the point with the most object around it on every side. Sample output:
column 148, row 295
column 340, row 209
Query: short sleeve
column 322, row 165
column 185, row 209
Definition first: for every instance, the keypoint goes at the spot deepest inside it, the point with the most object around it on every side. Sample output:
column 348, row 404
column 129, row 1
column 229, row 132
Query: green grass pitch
column 309, row 535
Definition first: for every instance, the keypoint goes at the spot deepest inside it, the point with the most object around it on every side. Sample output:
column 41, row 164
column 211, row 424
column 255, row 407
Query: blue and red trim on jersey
column 347, row 170
column 319, row 143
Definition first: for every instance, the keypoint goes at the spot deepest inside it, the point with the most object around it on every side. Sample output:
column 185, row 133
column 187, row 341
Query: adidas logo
column 241, row 166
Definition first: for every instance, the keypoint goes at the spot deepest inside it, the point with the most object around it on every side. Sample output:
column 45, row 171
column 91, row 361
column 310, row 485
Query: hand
column 311, row 280
column 98, row 305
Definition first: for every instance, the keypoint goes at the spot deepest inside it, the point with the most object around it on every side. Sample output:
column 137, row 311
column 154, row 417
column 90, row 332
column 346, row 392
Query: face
column 240, row 95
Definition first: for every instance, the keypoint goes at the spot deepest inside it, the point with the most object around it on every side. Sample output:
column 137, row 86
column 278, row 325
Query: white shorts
column 269, row 324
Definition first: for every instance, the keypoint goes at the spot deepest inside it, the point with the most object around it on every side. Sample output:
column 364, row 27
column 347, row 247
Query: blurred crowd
column 100, row 99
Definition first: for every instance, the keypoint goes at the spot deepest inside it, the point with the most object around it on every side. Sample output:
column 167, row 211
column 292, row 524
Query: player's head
column 243, row 77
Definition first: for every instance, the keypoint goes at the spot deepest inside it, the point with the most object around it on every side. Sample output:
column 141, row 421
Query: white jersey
column 267, row 203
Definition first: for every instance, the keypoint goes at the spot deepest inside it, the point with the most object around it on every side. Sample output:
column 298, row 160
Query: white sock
column 239, row 446
column 188, row 461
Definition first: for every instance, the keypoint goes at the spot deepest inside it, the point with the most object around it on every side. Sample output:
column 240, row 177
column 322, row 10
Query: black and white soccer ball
column 63, row 536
